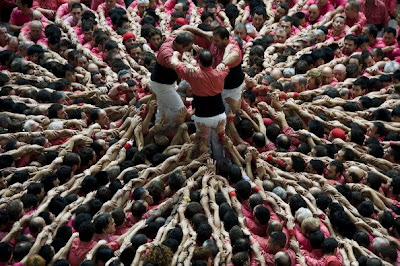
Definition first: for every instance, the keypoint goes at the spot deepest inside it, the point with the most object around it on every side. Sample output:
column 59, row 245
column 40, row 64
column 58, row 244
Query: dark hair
column 316, row 239
column 361, row 238
column 222, row 32
column 317, row 128
column 243, row 189
column 184, row 38
column 5, row 251
column 317, row 165
column 262, row 214
column 329, row 245
column 101, row 222
column 86, row 231
column 298, row 164
column 206, row 58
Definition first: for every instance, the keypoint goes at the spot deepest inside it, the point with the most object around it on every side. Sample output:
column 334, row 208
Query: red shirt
column 78, row 251
column 219, row 53
column 207, row 82
column 359, row 20
column 377, row 14
column 18, row 18
column 322, row 9
column 166, row 51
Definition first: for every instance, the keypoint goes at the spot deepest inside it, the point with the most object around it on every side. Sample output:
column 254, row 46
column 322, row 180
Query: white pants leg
column 168, row 100
column 235, row 94
column 212, row 122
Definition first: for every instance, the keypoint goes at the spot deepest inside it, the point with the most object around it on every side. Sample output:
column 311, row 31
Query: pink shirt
column 360, row 21
column 377, row 14
column 78, row 251
column 337, row 37
column 18, row 18
column 256, row 228
column 96, row 3
column 337, row 3
column 378, row 44
column 322, row 9
column 63, row 11
column 391, row 6
column 102, row 8
column 51, row 5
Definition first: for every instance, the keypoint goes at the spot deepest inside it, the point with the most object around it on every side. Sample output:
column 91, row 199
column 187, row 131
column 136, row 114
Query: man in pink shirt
column 97, row 3
column 389, row 40
column 354, row 18
column 105, row 7
column 350, row 45
column 371, row 31
column 376, row 12
column 313, row 15
column 325, row 6
column 4, row 36
column 75, row 15
column 82, row 245
column 20, row 15
column 36, row 33
column 327, row 77
column 48, row 8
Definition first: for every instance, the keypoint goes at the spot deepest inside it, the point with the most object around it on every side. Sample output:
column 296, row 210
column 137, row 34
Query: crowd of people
column 199, row 132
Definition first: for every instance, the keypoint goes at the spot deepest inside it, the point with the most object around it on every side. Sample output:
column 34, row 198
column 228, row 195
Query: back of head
column 206, row 58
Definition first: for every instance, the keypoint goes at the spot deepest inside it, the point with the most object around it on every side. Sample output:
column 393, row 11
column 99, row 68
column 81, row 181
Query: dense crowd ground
column 99, row 167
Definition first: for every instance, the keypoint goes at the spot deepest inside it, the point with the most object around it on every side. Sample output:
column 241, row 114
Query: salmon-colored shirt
column 206, row 82
column 322, row 9
column 51, row 5
column 377, row 14
column 78, row 251
column 360, row 20
column 96, row 3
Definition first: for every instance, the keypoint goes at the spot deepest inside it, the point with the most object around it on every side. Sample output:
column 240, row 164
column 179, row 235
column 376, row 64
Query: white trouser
column 212, row 122
column 168, row 101
column 234, row 94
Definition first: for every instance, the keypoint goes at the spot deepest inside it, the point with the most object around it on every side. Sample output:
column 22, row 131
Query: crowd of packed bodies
column 289, row 158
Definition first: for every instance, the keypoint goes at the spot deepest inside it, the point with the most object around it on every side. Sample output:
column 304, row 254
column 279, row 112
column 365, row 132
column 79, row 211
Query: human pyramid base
column 186, row 132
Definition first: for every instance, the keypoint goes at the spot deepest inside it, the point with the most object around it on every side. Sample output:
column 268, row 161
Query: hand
column 221, row 126
column 221, row 67
column 190, row 182
column 197, row 48
column 248, row 157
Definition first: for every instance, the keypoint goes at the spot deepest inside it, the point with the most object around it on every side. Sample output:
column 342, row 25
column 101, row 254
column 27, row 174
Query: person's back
column 82, row 245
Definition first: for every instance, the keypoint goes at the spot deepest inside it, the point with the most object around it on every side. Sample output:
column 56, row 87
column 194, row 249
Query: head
column 339, row 72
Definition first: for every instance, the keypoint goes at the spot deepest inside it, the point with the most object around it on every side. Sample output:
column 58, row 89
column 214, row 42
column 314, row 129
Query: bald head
column 282, row 258
column 379, row 242
column 274, row 226
column 276, row 74
column 36, row 16
column 339, row 72
column 327, row 75
column 36, row 225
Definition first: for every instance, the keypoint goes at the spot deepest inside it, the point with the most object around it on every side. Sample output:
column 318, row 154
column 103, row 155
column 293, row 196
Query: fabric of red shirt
column 18, row 18
column 95, row 3
column 360, row 20
column 166, row 51
column 51, row 5
column 78, row 251
column 219, row 53
column 206, row 82
column 377, row 14
column 322, row 9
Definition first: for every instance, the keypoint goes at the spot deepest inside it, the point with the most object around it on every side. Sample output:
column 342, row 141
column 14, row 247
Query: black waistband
column 208, row 106
column 235, row 78
column 163, row 75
